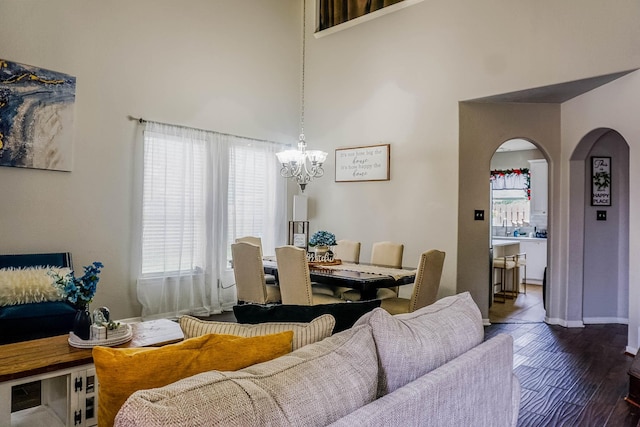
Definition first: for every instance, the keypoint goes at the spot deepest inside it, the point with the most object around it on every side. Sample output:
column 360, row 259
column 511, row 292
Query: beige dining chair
column 425, row 287
column 294, row 278
column 347, row 251
column 269, row 278
column 386, row 254
column 249, row 274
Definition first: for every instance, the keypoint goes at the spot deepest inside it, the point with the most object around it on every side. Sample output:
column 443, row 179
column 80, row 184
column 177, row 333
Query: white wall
column 398, row 79
column 222, row 65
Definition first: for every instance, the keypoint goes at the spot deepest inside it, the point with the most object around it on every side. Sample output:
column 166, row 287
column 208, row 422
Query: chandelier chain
column 302, row 165
column 304, row 37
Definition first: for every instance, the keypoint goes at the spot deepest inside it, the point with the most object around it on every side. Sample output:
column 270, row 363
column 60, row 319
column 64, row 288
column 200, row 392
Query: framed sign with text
column 601, row 181
column 369, row 163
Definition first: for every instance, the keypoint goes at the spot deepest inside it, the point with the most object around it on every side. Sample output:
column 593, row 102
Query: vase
column 321, row 250
column 82, row 323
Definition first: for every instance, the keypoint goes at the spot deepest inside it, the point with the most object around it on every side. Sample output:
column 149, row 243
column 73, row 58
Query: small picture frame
column 600, row 181
column 299, row 234
column 368, row 163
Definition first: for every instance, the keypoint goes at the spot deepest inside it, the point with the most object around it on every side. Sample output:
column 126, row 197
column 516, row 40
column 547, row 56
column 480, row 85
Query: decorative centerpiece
column 79, row 291
column 320, row 242
column 104, row 328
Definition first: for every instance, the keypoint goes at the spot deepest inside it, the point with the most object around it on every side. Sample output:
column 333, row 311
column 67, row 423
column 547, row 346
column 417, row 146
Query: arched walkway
column 598, row 264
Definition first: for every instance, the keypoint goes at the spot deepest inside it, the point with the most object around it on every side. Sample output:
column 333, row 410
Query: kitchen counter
column 518, row 238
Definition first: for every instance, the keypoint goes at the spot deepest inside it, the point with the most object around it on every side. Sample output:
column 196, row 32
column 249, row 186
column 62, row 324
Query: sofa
column 30, row 307
column 431, row 367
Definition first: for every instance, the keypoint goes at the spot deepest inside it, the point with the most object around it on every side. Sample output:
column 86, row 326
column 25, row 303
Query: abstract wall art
column 36, row 117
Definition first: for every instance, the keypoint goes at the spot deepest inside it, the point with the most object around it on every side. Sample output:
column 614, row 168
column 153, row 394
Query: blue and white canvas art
column 36, row 117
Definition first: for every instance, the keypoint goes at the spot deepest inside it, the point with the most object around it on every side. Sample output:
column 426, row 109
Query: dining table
column 363, row 277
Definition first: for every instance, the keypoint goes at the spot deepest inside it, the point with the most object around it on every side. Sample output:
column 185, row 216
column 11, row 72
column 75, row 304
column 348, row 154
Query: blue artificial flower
column 78, row 291
column 322, row 238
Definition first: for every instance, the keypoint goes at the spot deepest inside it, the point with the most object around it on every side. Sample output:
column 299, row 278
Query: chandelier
column 302, row 165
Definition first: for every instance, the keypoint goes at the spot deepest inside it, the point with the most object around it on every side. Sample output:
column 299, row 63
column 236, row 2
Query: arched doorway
column 518, row 230
column 598, row 275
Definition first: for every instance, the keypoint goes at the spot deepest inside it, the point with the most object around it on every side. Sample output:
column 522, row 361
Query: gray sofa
column 427, row 368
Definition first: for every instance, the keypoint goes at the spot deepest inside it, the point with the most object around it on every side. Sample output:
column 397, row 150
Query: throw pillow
column 345, row 314
column 313, row 386
column 122, row 371
column 413, row 344
column 28, row 285
column 303, row 333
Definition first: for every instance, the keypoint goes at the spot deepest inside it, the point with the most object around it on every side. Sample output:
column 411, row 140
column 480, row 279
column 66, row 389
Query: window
column 173, row 226
column 511, row 192
column 202, row 190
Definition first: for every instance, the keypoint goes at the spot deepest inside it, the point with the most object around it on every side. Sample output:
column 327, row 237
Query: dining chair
column 347, row 251
column 386, row 254
column 249, row 274
column 269, row 278
column 294, row 278
column 425, row 287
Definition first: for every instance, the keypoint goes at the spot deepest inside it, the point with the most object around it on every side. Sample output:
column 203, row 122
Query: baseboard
column 486, row 322
column 631, row 350
column 565, row 323
column 605, row 320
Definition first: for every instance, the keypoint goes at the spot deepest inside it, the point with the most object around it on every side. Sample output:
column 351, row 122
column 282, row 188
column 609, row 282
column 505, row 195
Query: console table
column 67, row 376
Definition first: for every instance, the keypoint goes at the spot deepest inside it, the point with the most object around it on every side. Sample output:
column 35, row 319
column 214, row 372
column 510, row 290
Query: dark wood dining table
column 366, row 282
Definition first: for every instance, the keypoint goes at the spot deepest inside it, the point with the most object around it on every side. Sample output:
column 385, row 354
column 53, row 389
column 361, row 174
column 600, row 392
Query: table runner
column 396, row 273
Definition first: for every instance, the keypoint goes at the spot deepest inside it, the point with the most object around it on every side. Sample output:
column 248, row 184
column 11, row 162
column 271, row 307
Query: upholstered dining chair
column 269, row 278
column 388, row 254
column 249, row 274
column 294, row 278
column 425, row 287
column 347, row 251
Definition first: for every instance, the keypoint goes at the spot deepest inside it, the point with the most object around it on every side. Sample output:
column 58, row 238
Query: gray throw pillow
column 413, row 344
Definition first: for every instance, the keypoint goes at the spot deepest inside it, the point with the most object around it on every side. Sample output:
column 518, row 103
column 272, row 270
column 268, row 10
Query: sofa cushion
column 303, row 333
column 28, row 285
column 312, row 386
column 35, row 320
column 345, row 314
column 122, row 371
column 413, row 344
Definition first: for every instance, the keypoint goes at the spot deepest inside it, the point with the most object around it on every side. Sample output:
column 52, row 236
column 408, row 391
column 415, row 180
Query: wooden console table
column 54, row 359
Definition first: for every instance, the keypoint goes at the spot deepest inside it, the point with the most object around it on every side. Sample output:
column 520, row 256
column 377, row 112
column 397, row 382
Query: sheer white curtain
column 199, row 187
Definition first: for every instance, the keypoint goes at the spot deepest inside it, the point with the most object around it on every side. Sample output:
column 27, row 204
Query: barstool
column 504, row 264
column 521, row 261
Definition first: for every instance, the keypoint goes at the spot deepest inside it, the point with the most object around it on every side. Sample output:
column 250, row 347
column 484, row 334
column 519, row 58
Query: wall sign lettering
column 601, row 181
column 370, row 163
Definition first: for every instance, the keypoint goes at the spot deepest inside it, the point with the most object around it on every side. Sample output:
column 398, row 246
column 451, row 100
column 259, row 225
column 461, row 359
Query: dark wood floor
column 571, row 376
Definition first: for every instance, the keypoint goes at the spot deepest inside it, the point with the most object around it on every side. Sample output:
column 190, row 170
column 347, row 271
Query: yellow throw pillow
column 122, row 371
column 303, row 333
